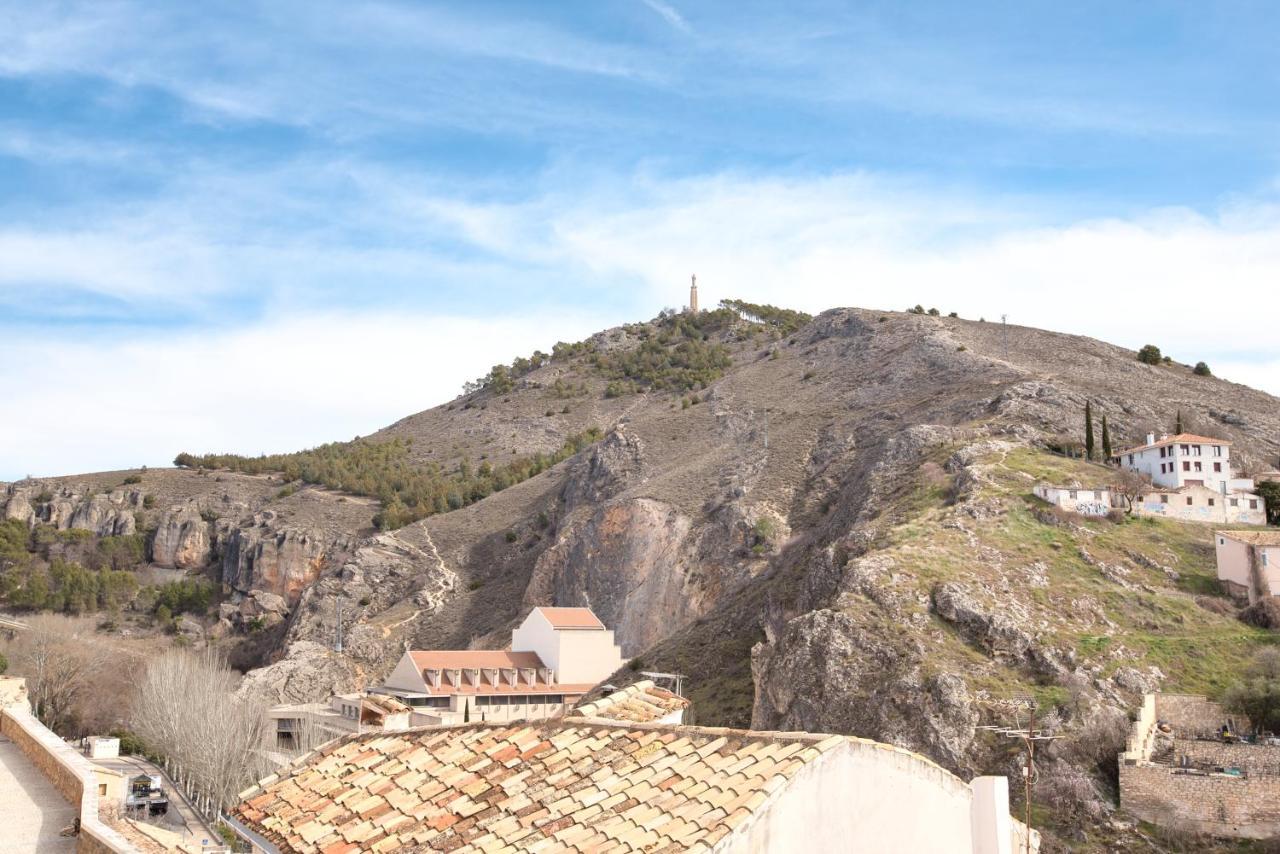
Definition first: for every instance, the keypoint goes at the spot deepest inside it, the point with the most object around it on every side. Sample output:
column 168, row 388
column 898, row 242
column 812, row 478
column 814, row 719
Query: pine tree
column 1088, row 429
column 1177, row 424
column 1106, row 440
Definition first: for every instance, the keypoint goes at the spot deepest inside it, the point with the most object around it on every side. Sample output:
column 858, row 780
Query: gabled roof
column 1177, row 439
column 642, row 702
column 572, row 618
column 556, row 785
column 1253, row 538
column 465, row 660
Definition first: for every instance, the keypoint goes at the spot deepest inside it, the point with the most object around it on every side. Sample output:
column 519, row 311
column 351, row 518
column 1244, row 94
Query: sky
column 258, row 226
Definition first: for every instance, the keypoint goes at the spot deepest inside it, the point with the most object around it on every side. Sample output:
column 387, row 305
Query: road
column 182, row 817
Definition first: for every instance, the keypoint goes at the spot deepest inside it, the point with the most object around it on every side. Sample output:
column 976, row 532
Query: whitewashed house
column 1074, row 499
column 1192, row 481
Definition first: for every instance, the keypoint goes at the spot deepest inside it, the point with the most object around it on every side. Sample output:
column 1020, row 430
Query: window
column 102, row 787
column 1217, row 467
column 1197, row 450
column 1264, row 563
column 1235, row 502
column 1253, row 505
column 1222, row 541
column 482, row 701
column 1198, row 466
column 1162, row 450
column 1211, row 503
column 1073, row 494
column 1131, row 459
column 1190, row 500
column 1186, row 466
column 1186, row 449
column 1217, row 450
column 1164, row 499
column 554, row 699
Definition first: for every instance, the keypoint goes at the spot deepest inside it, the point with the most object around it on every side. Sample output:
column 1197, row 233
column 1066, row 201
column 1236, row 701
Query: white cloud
column 279, row 386
column 669, row 14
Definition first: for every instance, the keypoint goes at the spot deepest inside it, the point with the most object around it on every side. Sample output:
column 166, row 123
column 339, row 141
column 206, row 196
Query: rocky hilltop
column 829, row 529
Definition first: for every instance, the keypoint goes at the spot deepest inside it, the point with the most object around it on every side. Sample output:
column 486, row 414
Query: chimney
column 1151, row 438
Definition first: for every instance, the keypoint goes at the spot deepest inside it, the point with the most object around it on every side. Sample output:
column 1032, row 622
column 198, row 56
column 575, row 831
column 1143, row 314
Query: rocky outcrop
column 381, row 594
column 182, row 538
column 626, row 562
column 282, row 560
column 611, row 466
column 309, row 672
column 995, row 631
column 104, row 514
column 831, row 671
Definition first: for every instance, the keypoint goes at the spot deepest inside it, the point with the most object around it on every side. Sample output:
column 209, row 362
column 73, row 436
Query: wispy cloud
column 669, row 14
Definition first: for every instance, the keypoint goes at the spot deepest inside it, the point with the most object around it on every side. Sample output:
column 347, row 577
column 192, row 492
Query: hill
column 825, row 523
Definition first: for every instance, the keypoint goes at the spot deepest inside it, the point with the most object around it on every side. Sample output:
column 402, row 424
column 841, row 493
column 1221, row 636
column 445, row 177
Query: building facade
column 1201, row 504
column 1183, row 460
column 1249, row 563
column 557, row 655
column 1087, row 502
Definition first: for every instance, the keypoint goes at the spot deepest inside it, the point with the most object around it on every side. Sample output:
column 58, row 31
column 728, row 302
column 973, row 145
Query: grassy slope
column 1151, row 619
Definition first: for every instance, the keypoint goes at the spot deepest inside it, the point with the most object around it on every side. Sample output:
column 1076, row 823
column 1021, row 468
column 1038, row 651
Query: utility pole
column 337, row 615
column 1004, row 325
column 1028, row 736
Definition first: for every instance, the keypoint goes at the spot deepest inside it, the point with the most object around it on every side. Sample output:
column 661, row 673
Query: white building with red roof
column 557, row 655
column 1185, row 459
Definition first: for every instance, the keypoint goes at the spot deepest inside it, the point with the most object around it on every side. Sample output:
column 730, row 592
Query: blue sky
column 259, row 226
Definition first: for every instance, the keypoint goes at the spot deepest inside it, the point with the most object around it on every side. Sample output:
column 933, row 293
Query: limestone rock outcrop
column 262, row 555
column 182, row 539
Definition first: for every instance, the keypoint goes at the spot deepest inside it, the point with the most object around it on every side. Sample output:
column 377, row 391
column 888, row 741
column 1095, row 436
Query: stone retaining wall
column 1194, row 715
column 71, row 774
column 1222, row 806
column 1254, row 758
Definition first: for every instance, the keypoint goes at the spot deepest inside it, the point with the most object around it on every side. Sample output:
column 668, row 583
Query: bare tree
column 59, row 659
column 187, row 710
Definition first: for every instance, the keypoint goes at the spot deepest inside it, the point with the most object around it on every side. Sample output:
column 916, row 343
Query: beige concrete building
column 594, row 784
column 557, row 655
column 301, row 726
column 1249, row 563
column 1201, row 504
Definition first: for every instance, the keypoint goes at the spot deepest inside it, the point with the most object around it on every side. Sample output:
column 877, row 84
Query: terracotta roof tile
column 560, row 785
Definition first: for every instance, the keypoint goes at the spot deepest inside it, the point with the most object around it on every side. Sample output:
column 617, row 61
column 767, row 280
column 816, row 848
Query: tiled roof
column 1255, row 538
column 572, row 618
column 639, row 703
column 462, row 659
column 1176, row 439
column 556, row 785
column 485, row 671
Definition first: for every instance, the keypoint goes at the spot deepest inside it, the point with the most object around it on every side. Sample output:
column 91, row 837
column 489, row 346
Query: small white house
column 1201, row 504
column 1074, row 499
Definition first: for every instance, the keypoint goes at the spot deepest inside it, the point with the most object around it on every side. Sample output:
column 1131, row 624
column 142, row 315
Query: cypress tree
column 1088, row 429
column 1177, row 424
column 1106, row 440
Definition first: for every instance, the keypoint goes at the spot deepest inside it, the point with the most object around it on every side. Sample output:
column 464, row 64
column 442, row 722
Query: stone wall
column 1253, row 758
column 1192, row 715
column 1247, row 807
column 71, row 774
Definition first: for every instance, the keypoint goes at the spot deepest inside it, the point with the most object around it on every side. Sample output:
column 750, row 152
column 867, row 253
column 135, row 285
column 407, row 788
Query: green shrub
column 148, row 501
column 784, row 320
column 287, row 491
column 933, row 312
column 1149, row 355
column 408, row 490
column 132, row 479
column 4, row 663
column 511, row 536
column 1202, row 370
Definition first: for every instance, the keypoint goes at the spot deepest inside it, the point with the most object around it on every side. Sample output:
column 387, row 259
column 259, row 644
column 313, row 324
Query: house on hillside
column 1249, row 563
column 595, row 784
column 1192, row 481
column 557, row 655
column 1087, row 502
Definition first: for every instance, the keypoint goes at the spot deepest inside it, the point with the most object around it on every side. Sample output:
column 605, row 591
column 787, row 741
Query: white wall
column 587, row 657
column 1149, row 462
column 1087, row 502
column 1233, row 562
column 405, row 676
column 868, row 797
column 536, row 634
column 1206, row 506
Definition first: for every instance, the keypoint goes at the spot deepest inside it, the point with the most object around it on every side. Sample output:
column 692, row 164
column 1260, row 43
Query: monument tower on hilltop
column 693, row 295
